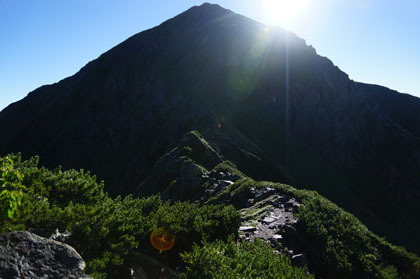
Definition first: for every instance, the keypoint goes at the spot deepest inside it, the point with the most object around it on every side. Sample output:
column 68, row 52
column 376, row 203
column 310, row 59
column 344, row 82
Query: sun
column 283, row 12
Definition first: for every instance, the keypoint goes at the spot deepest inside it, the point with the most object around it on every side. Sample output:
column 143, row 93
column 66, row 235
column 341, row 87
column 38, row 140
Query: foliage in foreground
column 11, row 188
column 246, row 260
column 104, row 229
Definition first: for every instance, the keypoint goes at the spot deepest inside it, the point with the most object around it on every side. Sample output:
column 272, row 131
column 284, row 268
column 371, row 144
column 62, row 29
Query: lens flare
column 162, row 240
column 245, row 75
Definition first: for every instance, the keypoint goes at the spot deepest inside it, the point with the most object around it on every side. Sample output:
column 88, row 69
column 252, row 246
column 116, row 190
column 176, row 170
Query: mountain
column 258, row 95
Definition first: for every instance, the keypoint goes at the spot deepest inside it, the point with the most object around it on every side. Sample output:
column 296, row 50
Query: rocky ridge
column 267, row 214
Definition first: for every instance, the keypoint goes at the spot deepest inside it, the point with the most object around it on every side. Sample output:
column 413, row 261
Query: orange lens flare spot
column 162, row 240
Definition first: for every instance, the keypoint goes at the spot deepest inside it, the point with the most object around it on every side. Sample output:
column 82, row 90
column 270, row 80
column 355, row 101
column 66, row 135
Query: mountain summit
column 259, row 95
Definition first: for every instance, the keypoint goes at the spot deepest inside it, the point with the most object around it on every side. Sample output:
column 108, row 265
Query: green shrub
column 230, row 260
column 341, row 246
column 11, row 188
column 348, row 249
column 104, row 230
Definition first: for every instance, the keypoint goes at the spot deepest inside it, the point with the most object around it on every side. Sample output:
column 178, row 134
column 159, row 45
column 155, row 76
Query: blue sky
column 44, row 41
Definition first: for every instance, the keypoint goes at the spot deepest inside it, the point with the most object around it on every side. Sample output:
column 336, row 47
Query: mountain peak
column 208, row 10
column 207, row 5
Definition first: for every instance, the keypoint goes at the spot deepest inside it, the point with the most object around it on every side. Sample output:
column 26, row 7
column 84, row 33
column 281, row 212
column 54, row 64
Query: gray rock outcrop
column 27, row 255
column 270, row 216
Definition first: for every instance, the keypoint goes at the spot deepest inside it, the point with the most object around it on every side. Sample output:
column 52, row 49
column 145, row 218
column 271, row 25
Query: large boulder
column 26, row 255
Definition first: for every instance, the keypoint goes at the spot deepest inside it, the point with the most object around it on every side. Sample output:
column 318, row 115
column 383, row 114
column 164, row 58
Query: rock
column 299, row 260
column 232, row 177
column 249, row 202
column 292, row 206
column 290, row 203
column 274, row 222
column 62, row 237
column 269, row 220
column 225, row 183
column 27, row 255
column 282, row 199
column 277, row 237
column 247, row 228
column 263, row 193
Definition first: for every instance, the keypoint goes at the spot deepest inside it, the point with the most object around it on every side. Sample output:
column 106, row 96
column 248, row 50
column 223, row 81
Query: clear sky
column 44, row 41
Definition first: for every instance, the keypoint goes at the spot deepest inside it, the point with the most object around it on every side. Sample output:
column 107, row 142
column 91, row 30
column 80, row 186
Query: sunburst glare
column 283, row 12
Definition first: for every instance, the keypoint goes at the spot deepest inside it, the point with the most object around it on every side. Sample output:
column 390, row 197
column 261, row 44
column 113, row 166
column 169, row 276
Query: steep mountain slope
column 263, row 99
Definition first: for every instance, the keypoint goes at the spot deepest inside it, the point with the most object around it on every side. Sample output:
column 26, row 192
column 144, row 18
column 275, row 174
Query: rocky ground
column 270, row 216
column 27, row 255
